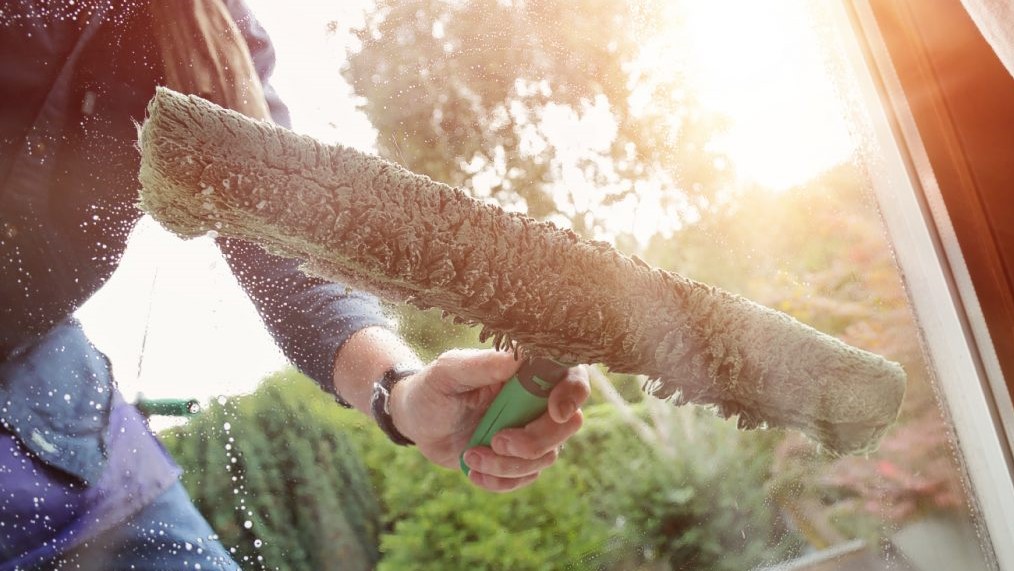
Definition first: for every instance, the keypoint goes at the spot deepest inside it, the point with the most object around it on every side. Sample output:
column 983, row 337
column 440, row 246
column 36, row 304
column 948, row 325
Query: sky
column 175, row 323
column 759, row 63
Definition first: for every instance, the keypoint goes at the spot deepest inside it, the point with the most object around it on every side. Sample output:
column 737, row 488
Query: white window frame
column 955, row 338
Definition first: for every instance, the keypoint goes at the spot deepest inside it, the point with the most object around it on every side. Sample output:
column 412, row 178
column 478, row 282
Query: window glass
column 720, row 139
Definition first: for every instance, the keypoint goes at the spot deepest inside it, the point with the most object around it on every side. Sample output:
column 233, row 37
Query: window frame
column 955, row 334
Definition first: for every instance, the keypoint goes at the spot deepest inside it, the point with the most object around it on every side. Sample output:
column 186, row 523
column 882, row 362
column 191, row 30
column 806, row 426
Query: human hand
column 440, row 406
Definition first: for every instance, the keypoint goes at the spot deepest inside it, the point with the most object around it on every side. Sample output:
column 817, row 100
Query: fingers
column 474, row 368
column 498, row 473
column 498, row 484
column 537, row 437
column 519, row 455
column 569, row 394
column 484, row 460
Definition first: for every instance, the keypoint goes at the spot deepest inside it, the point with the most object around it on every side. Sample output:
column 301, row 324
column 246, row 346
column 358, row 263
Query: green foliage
column 439, row 521
column 431, row 335
column 281, row 461
column 628, row 387
column 699, row 504
column 612, row 502
column 435, row 519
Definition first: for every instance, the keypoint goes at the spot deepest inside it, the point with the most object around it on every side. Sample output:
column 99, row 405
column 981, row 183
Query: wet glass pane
column 725, row 140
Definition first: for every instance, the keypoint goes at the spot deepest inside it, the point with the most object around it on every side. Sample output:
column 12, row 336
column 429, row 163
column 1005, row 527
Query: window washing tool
column 521, row 400
column 534, row 288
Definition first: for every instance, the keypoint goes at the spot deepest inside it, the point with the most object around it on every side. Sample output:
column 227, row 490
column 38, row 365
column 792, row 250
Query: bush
column 438, row 521
column 703, row 507
column 323, row 488
column 278, row 478
column 610, row 502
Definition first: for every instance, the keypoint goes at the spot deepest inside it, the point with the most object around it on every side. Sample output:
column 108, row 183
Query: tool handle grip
column 523, row 399
column 167, row 407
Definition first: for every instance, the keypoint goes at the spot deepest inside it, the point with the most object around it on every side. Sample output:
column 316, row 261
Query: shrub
column 438, row 521
column 308, row 475
column 278, row 478
column 700, row 506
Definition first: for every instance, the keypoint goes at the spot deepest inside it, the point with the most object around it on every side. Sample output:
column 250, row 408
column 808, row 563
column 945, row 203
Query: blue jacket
column 74, row 80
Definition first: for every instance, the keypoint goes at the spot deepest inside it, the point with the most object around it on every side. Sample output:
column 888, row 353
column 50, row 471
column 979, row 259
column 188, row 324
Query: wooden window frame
column 939, row 204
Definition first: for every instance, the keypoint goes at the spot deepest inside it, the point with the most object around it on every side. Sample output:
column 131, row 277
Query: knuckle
column 447, row 357
column 528, row 451
column 501, row 485
column 544, row 449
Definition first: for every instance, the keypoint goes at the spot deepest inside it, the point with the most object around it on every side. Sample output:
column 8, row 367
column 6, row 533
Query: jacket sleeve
column 309, row 318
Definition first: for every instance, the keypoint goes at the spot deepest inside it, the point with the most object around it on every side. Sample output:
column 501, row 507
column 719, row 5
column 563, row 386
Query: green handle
column 168, row 407
column 522, row 399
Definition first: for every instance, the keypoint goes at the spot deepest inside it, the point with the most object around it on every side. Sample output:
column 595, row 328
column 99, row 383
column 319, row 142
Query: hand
column 440, row 406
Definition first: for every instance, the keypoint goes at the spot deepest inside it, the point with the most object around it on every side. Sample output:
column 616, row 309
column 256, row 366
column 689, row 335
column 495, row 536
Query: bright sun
column 762, row 64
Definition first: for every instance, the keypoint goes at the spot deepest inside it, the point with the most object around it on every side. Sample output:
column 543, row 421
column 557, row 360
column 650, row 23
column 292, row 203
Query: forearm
column 364, row 358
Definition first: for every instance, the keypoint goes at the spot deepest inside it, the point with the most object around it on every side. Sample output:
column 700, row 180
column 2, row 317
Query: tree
column 556, row 108
column 559, row 121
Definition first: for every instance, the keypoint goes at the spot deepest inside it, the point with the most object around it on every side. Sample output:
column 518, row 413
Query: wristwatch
column 380, row 403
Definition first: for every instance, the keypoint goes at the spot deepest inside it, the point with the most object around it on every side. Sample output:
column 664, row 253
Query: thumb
column 475, row 368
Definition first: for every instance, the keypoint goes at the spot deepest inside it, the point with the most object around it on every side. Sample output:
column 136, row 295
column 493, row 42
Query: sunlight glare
column 762, row 65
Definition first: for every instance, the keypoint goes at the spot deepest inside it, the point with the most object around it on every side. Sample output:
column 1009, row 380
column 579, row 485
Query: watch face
column 399, row 372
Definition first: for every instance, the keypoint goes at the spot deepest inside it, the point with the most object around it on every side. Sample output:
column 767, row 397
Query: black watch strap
column 380, row 404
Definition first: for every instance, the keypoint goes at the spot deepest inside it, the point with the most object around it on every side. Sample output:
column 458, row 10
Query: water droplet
column 227, row 426
column 247, row 524
column 258, row 543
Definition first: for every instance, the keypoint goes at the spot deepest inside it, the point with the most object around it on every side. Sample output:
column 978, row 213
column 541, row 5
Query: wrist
column 400, row 396
column 363, row 359
column 387, row 402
